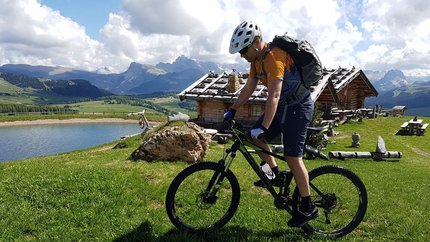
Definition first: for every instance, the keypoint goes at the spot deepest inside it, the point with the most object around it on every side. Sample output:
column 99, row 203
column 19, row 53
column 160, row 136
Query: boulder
column 187, row 143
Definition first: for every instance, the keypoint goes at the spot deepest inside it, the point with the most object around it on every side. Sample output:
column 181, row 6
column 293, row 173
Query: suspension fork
column 225, row 162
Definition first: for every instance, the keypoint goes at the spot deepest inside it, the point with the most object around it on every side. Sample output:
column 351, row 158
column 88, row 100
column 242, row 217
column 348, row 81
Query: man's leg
column 263, row 144
column 279, row 177
column 300, row 174
column 307, row 209
column 265, row 157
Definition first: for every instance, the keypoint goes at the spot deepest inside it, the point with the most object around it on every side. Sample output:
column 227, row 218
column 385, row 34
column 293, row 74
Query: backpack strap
column 298, row 94
column 264, row 73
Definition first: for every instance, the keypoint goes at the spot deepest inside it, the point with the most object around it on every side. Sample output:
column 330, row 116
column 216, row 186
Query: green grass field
column 171, row 103
column 12, row 94
column 98, row 194
column 94, row 109
column 102, row 107
column 6, row 87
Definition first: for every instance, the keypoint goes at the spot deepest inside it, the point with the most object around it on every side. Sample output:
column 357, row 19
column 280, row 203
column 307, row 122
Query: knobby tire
column 187, row 206
column 347, row 195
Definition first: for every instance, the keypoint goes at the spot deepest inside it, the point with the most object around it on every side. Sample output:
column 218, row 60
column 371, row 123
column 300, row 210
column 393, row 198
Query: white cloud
column 209, row 25
column 127, row 45
column 402, row 29
column 373, row 34
column 160, row 17
column 35, row 34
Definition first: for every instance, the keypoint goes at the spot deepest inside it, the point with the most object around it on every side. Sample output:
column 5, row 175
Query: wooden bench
column 404, row 125
column 422, row 129
column 404, row 129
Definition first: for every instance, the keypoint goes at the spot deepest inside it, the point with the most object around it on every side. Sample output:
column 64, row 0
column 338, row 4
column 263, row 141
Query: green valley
column 100, row 194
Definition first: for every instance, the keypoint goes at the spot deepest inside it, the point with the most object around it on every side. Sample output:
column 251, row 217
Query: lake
column 18, row 142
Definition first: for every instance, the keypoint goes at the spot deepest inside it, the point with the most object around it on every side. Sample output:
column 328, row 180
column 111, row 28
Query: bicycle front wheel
column 341, row 198
column 202, row 197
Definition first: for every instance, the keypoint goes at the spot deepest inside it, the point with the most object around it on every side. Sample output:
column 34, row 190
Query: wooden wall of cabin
column 325, row 108
column 211, row 113
column 352, row 96
column 325, row 103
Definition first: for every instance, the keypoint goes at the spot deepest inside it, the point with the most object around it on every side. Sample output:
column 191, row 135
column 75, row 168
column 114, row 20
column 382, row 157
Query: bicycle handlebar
column 237, row 129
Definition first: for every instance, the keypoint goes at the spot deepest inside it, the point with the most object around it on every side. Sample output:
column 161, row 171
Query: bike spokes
column 338, row 213
column 198, row 205
column 341, row 198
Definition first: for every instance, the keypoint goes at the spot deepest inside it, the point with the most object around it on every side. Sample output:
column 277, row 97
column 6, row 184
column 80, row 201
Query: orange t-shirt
column 275, row 63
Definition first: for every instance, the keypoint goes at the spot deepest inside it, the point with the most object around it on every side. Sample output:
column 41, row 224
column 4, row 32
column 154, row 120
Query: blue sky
column 92, row 14
column 96, row 34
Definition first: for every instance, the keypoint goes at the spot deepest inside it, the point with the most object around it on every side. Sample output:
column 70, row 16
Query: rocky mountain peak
column 394, row 74
column 393, row 79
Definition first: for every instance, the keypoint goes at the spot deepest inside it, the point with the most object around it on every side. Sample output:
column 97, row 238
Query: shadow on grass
column 229, row 233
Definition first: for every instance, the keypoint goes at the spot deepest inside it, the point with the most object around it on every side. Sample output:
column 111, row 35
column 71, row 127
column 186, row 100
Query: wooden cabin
column 339, row 88
column 352, row 87
column 398, row 110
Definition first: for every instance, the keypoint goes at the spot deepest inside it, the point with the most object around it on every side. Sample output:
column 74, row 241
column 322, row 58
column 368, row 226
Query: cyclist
column 288, row 109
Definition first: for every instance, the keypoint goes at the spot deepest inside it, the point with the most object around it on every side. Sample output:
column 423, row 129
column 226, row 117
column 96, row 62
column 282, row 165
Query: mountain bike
column 205, row 195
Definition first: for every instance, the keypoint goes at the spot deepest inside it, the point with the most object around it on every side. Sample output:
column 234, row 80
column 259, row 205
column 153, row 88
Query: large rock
column 178, row 143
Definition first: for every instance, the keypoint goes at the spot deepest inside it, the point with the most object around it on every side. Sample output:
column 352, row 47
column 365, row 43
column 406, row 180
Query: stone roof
column 212, row 86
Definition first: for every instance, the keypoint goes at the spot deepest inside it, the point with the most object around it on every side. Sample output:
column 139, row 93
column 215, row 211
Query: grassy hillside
column 12, row 94
column 6, row 87
column 415, row 97
column 172, row 103
column 101, row 106
column 98, row 194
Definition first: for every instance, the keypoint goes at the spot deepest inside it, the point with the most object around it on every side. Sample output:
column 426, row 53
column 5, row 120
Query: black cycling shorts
column 292, row 121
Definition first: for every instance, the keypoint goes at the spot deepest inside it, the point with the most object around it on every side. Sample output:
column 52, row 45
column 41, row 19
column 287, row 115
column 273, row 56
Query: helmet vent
column 243, row 36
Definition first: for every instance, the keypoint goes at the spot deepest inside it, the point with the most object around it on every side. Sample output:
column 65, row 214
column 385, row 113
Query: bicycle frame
column 242, row 143
column 347, row 206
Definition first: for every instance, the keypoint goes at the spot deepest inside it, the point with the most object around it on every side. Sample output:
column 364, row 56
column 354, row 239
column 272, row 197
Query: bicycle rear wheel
column 340, row 196
column 202, row 197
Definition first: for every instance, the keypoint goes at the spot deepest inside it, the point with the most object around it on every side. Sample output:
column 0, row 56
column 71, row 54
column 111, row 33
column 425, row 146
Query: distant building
column 339, row 88
column 398, row 110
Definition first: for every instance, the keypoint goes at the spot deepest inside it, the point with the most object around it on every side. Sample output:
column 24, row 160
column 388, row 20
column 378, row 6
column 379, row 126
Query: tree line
column 22, row 108
column 137, row 102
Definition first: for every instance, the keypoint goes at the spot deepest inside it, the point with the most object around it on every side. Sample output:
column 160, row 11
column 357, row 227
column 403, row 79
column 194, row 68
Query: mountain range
column 137, row 79
column 394, row 87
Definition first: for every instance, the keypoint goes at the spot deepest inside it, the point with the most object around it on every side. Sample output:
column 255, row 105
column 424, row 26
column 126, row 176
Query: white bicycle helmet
column 243, row 36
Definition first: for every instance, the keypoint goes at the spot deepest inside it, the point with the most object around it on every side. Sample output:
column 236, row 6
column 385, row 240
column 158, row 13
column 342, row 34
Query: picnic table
column 366, row 112
column 414, row 127
column 342, row 115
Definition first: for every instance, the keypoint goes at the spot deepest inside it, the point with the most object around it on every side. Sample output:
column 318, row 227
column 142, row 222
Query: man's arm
column 274, row 92
column 246, row 93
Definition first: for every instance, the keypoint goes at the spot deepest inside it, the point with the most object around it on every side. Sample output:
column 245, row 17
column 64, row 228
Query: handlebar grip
column 261, row 136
